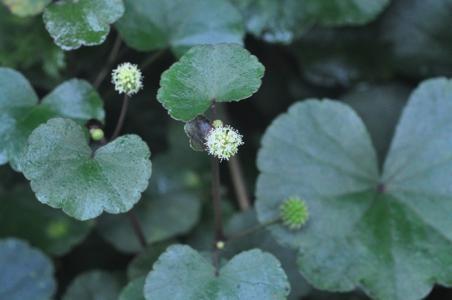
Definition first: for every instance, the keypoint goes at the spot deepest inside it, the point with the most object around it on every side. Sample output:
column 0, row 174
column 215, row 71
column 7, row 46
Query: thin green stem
column 137, row 228
column 252, row 230
column 122, row 116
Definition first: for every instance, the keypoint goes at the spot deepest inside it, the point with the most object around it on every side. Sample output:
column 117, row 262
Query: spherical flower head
column 127, row 79
column 96, row 134
column 223, row 141
column 294, row 213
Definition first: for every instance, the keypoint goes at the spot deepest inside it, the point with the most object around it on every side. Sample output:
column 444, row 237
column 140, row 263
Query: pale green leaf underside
column 49, row 229
column 223, row 72
column 94, row 285
column 25, row 8
column 181, row 273
column 391, row 236
column 20, row 112
column 26, row 273
column 58, row 163
column 285, row 20
column 73, row 24
column 179, row 24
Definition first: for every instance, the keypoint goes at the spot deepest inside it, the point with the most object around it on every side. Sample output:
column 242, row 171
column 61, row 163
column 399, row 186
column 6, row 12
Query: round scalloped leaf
column 26, row 272
column 263, row 240
column 65, row 173
column 133, row 290
column 207, row 73
column 44, row 227
column 285, row 20
column 20, row 112
column 172, row 190
column 391, row 235
column 143, row 262
column 99, row 285
column 73, row 24
column 25, row 8
column 181, row 273
column 179, row 24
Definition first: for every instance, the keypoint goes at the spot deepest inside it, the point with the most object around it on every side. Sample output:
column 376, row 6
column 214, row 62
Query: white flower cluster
column 223, row 141
column 127, row 79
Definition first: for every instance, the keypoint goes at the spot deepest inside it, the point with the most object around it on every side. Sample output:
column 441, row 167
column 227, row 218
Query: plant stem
column 235, row 170
column 216, row 203
column 251, row 230
column 137, row 228
column 122, row 116
column 111, row 59
column 239, row 183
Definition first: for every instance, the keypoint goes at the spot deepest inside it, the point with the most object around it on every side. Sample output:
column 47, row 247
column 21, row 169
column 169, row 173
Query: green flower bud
column 223, row 142
column 294, row 213
column 96, row 134
column 217, row 123
column 127, row 79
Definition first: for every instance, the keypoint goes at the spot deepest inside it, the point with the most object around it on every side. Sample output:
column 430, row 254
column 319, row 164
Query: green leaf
column 182, row 273
column 263, row 240
column 172, row 190
column 133, row 290
column 20, row 112
column 285, row 20
column 25, row 8
column 44, row 227
column 420, row 36
column 223, row 73
column 178, row 24
column 94, row 285
column 73, row 24
column 26, row 272
column 65, row 173
column 390, row 234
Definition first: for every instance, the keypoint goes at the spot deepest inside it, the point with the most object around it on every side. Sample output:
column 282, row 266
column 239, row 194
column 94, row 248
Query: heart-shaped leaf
column 207, row 73
column 99, row 285
column 64, row 173
column 26, row 272
column 20, row 112
column 389, row 234
column 25, row 8
column 178, row 24
column 73, row 24
column 172, row 190
column 181, row 273
column 44, row 227
column 285, row 20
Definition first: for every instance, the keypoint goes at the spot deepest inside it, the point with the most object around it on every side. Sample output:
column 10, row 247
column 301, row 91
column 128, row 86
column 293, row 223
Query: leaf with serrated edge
column 73, row 24
column 207, row 73
column 64, row 173
column 181, row 273
column 20, row 112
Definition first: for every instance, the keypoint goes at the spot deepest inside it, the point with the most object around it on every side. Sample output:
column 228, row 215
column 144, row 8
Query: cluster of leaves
column 96, row 219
